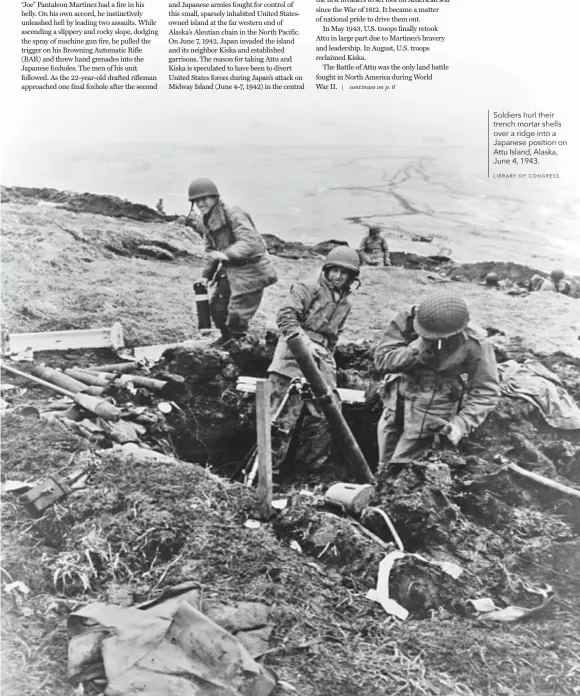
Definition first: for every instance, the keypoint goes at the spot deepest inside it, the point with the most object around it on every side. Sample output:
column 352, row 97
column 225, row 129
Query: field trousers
column 232, row 315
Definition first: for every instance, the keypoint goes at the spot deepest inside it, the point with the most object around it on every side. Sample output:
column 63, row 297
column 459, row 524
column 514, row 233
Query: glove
column 217, row 256
column 452, row 432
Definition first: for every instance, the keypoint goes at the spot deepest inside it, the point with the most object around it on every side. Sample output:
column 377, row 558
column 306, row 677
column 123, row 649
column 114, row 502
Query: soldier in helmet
column 238, row 267
column 319, row 309
column 557, row 282
column 441, row 377
column 492, row 280
column 374, row 249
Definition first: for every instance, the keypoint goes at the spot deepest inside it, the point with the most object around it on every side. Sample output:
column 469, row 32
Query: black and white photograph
column 290, row 372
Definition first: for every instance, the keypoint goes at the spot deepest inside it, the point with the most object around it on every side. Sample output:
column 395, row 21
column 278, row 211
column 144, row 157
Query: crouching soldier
column 318, row 309
column 374, row 249
column 557, row 282
column 238, row 267
column 441, row 377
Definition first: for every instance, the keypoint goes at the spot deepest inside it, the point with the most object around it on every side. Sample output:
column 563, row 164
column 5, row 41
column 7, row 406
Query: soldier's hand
column 217, row 256
column 318, row 350
column 426, row 348
column 452, row 432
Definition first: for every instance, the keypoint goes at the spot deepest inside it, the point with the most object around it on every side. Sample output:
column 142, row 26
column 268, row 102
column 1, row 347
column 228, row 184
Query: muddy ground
column 142, row 525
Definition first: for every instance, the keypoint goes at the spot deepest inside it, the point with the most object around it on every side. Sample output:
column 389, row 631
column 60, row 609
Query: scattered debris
column 14, row 487
column 174, row 644
column 96, row 405
column 487, row 610
column 26, row 411
column 542, row 388
column 17, row 586
column 49, row 491
column 538, row 478
column 350, row 497
column 252, row 524
column 381, row 593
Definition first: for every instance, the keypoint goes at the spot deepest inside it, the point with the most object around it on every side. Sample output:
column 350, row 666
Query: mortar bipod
column 297, row 385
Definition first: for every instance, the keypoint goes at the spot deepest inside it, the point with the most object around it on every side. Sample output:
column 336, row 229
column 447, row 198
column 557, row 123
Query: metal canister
column 202, row 305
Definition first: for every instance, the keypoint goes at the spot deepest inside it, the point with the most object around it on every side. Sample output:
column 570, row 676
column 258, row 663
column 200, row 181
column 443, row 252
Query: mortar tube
column 325, row 397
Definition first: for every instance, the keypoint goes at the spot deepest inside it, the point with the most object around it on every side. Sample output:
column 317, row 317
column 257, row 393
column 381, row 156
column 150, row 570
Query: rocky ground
column 142, row 525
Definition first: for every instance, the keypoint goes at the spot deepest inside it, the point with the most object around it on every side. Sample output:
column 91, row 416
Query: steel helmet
column 441, row 315
column 200, row 188
column 557, row 275
column 343, row 257
column 492, row 278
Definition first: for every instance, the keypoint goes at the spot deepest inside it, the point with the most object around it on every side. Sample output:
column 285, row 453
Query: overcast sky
column 504, row 54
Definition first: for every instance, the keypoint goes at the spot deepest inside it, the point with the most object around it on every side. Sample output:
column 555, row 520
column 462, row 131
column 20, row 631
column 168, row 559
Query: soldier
column 319, row 308
column 373, row 249
column 492, row 280
column 238, row 267
column 556, row 283
column 159, row 207
column 441, row 377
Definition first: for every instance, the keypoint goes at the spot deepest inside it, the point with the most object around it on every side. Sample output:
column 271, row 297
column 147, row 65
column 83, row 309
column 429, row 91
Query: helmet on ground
column 441, row 315
column 200, row 188
column 343, row 257
column 492, row 278
column 557, row 275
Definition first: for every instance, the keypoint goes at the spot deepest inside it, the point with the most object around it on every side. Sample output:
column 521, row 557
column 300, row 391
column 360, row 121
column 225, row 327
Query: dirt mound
column 111, row 206
column 299, row 250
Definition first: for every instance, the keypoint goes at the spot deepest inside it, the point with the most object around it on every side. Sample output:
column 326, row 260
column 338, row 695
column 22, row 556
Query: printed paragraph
column 378, row 44
column 524, row 144
column 245, row 45
column 86, row 45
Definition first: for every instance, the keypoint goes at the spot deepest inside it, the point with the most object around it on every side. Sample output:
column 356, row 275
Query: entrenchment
column 459, row 507
column 148, row 521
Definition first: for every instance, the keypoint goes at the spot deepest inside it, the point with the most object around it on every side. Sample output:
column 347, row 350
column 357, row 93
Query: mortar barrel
column 329, row 404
